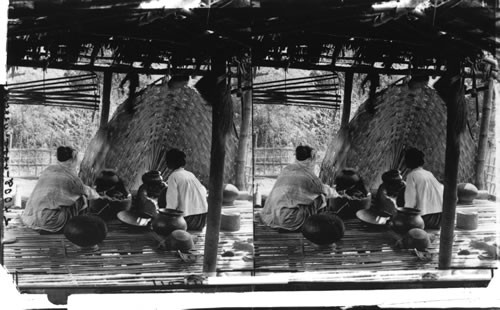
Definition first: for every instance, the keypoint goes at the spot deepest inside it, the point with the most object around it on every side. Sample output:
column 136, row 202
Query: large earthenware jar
column 85, row 231
column 406, row 219
column 153, row 183
column 323, row 229
column 167, row 221
column 106, row 180
column 346, row 178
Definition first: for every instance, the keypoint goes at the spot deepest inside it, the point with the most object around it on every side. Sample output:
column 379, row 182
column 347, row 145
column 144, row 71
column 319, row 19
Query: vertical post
column 106, row 95
column 483, row 132
column 346, row 108
column 216, row 179
column 452, row 93
column 4, row 9
column 246, row 119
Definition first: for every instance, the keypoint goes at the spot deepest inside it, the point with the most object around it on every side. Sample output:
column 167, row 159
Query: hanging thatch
column 404, row 117
column 162, row 118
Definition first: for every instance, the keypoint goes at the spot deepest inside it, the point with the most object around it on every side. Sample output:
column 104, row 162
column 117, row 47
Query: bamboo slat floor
column 365, row 253
column 128, row 257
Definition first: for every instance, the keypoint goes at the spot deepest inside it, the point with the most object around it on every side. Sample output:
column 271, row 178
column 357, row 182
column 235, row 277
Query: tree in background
column 38, row 126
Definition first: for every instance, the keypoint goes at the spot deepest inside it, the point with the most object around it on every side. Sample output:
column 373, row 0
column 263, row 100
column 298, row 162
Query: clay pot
column 323, row 228
column 167, row 221
column 180, row 240
column 416, row 238
column 346, row 178
column 85, row 230
column 392, row 176
column 466, row 193
column 152, row 177
column 406, row 219
column 105, row 180
column 229, row 194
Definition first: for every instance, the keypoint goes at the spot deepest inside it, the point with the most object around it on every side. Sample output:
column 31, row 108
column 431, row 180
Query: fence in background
column 270, row 161
column 490, row 171
column 29, row 163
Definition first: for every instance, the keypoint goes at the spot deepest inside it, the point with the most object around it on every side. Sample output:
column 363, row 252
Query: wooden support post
column 246, row 120
column 346, row 108
column 216, row 179
column 483, row 134
column 106, row 98
column 453, row 95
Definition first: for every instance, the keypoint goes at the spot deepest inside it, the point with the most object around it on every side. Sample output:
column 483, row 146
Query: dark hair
column 303, row 152
column 65, row 153
column 414, row 158
column 175, row 158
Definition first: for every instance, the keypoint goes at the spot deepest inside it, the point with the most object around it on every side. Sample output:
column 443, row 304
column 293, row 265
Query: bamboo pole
column 346, row 108
column 483, row 133
column 246, row 118
column 216, row 179
column 106, row 96
column 454, row 93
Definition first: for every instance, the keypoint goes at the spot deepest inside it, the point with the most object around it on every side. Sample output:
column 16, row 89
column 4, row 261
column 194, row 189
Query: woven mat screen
column 163, row 118
column 77, row 91
column 403, row 118
column 313, row 91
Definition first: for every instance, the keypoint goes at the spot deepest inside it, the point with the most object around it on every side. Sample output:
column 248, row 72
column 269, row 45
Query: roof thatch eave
column 179, row 37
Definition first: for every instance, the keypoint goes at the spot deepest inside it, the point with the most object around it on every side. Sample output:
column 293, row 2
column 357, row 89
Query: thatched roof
column 122, row 36
column 404, row 117
column 135, row 141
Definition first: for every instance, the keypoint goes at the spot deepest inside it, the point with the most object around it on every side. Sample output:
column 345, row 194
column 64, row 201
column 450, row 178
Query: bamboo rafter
column 80, row 91
column 318, row 91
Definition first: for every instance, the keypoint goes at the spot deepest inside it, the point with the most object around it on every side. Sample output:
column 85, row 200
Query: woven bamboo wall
column 403, row 118
column 163, row 118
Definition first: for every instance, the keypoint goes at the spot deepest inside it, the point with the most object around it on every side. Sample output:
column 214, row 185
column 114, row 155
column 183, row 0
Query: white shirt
column 186, row 193
column 423, row 191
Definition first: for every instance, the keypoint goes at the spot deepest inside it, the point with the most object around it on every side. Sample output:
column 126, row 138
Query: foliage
column 292, row 125
column 37, row 126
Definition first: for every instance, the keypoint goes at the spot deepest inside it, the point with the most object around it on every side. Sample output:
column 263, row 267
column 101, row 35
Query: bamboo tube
column 346, row 108
column 106, row 95
column 483, row 134
column 246, row 118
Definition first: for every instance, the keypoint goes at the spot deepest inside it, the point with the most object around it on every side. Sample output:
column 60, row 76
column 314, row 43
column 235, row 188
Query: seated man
column 58, row 195
column 423, row 191
column 185, row 192
column 297, row 193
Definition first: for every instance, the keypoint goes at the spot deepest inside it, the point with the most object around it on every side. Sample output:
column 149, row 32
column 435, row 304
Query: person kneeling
column 297, row 194
column 58, row 195
column 185, row 192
